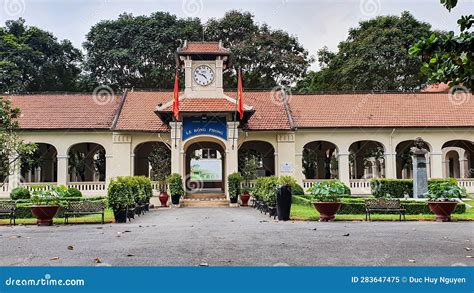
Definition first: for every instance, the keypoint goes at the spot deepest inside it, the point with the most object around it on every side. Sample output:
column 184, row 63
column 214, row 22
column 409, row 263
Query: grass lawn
column 90, row 219
column 309, row 213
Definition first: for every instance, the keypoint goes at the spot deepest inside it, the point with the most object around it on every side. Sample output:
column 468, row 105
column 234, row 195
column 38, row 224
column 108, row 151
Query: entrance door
column 205, row 168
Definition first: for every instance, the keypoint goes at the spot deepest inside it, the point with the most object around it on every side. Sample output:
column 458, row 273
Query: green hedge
column 356, row 206
column 129, row 190
column 397, row 188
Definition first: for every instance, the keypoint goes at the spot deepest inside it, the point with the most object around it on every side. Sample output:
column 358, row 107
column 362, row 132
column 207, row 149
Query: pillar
column 436, row 164
column 298, row 173
column 231, row 154
column 343, row 164
column 284, row 154
column 176, row 154
column 117, row 162
column 390, row 165
column 62, row 169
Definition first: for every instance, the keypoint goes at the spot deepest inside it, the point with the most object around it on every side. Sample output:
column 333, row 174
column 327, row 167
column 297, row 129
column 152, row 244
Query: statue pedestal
column 420, row 173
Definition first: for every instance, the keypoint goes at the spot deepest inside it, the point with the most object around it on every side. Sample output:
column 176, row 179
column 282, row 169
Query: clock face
column 203, row 75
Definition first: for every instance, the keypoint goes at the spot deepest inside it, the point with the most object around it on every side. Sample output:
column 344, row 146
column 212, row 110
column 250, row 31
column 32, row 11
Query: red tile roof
column 72, row 111
column 138, row 111
column 203, row 48
column 203, row 105
column 382, row 110
column 79, row 111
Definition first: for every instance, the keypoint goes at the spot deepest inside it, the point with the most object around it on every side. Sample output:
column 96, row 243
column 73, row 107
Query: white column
column 298, row 174
column 62, row 169
column 343, row 162
column 436, row 164
column 117, row 159
column 232, row 154
column 390, row 165
column 176, row 155
column 463, row 168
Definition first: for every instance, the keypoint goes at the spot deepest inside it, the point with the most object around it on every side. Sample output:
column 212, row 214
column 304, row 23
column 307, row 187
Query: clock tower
column 203, row 63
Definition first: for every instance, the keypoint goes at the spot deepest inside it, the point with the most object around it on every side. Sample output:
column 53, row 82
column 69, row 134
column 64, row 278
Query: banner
column 215, row 126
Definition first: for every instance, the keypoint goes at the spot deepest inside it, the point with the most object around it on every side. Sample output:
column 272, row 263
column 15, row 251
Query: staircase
column 205, row 199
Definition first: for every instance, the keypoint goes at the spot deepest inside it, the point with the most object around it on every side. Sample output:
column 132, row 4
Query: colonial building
column 87, row 139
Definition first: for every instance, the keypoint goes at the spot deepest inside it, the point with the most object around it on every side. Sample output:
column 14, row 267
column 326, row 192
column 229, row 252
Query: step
column 205, row 195
column 204, row 203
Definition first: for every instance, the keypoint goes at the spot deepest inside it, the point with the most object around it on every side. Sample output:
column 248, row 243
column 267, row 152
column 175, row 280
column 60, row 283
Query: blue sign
column 215, row 126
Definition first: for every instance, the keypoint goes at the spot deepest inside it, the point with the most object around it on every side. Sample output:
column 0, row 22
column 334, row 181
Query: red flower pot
column 245, row 198
column 44, row 214
column 164, row 198
column 327, row 210
column 442, row 209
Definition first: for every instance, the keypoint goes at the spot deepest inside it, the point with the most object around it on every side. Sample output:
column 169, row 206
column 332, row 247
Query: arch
column 142, row 165
column 366, row 159
column 319, row 160
column 42, row 165
column 458, row 156
column 404, row 165
column 263, row 152
column 203, row 139
column 204, row 166
column 86, row 162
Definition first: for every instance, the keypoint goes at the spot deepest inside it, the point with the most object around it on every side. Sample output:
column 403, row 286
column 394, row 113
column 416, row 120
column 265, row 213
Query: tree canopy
column 374, row 57
column 32, row 60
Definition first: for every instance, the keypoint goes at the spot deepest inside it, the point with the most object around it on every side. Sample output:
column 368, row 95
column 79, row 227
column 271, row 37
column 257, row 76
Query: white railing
column 90, row 188
column 38, row 186
column 467, row 183
column 360, row 186
column 248, row 184
column 307, row 183
column 4, row 190
column 158, row 186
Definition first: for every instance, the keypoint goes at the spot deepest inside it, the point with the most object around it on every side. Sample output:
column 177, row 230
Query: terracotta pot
column 327, row 210
column 442, row 209
column 164, row 198
column 44, row 214
column 245, row 198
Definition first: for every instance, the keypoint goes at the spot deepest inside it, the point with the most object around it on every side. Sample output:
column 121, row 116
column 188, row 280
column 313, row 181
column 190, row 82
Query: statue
column 420, row 174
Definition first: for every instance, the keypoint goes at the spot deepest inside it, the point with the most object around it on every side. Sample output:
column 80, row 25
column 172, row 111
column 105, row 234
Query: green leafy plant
column 73, row 192
column 328, row 191
column 445, row 191
column 175, row 183
column 160, row 162
column 234, row 180
column 45, row 197
column 266, row 189
column 20, row 193
column 120, row 194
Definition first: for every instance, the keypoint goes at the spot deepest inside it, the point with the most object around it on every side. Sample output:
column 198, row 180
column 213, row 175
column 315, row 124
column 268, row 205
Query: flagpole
column 235, row 112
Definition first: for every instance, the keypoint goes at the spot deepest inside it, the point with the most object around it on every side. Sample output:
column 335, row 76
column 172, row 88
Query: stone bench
column 82, row 208
column 384, row 206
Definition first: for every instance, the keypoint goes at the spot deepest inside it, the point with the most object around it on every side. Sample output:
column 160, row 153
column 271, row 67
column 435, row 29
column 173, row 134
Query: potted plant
column 45, row 206
column 442, row 199
column 119, row 198
column 234, row 180
column 160, row 163
column 327, row 201
column 249, row 172
column 175, row 183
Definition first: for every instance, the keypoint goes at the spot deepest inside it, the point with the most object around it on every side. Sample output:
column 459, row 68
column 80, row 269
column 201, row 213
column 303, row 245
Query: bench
column 384, row 206
column 82, row 208
column 8, row 208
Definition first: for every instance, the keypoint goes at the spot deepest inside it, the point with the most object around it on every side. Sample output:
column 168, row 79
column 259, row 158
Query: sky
column 316, row 23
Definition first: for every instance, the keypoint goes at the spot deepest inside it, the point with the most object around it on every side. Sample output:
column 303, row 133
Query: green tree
column 12, row 147
column 34, row 60
column 267, row 57
column 137, row 51
column 449, row 58
column 160, row 162
column 374, row 57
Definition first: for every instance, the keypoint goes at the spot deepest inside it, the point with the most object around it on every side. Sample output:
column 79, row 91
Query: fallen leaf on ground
column 54, row 258
column 412, row 260
column 469, row 256
column 314, row 229
column 346, row 234
column 70, row 247
column 127, row 231
column 467, row 248
column 204, row 264
column 97, row 260
column 130, row 254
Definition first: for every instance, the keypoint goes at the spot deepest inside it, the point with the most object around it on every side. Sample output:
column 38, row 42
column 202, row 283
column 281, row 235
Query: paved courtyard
column 239, row 236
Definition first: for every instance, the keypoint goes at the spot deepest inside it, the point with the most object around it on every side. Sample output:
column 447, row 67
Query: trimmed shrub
column 397, row 188
column 120, row 194
column 175, row 182
column 234, row 180
column 20, row 193
column 73, row 192
column 297, row 189
column 266, row 189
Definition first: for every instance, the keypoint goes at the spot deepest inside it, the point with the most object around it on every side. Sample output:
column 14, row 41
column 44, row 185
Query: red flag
column 175, row 97
column 240, row 96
